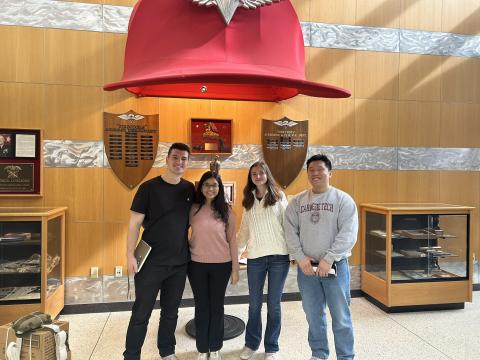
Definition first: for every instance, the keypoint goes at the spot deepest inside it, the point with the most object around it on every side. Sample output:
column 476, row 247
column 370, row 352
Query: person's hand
column 244, row 254
column 132, row 266
column 306, row 266
column 323, row 268
column 234, row 277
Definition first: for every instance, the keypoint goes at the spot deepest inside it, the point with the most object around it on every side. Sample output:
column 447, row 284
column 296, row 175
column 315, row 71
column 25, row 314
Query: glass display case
column 31, row 261
column 416, row 255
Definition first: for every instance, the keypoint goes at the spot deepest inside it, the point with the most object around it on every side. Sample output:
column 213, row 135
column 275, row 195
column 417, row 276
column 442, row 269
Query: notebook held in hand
column 141, row 252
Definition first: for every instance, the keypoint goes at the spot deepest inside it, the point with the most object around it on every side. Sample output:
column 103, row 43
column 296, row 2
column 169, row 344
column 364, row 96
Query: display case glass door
column 20, row 262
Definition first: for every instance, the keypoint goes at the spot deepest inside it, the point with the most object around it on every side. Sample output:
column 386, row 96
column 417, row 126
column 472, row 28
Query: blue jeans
column 276, row 266
column 317, row 292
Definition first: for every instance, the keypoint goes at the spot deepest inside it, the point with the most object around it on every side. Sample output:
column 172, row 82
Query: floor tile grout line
column 99, row 336
column 418, row 336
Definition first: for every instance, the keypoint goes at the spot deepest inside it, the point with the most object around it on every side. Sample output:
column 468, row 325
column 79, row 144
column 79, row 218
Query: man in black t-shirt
column 162, row 206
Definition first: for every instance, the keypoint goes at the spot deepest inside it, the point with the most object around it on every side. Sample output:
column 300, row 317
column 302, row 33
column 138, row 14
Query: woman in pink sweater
column 214, row 251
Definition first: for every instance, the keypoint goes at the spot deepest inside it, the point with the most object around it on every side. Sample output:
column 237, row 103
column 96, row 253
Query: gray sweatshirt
column 322, row 226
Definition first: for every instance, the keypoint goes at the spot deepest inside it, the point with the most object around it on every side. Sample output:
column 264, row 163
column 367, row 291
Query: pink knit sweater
column 209, row 243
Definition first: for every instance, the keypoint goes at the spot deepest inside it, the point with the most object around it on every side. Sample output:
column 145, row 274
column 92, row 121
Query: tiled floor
column 437, row 335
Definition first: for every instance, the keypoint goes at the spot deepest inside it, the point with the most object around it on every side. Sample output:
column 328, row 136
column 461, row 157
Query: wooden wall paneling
column 333, row 11
column 378, row 13
column 376, row 122
column 74, row 112
column 331, row 121
column 86, row 1
column 419, row 123
column 420, row 77
column 115, row 247
column 21, row 45
column 21, row 201
column 461, row 16
column 9, row 37
column 302, row 8
column 88, row 200
column 421, row 15
column 247, row 120
column 376, row 75
column 59, row 189
column 30, row 55
column 121, row 2
column 418, row 186
column 345, row 181
column 175, row 115
column 74, row 57
column 375, row 187
column 118, row 197
column 84, row 248
column 461, row 79
column 331, row 66
column 296, row 108
column 121, row 101
column 114, row 48
column 462, row 188
column 23, row 105
column 298, row 185
column 459, row 125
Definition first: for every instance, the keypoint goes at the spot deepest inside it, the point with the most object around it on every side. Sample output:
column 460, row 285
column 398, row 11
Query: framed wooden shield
column 131, row 143
column 284, row 144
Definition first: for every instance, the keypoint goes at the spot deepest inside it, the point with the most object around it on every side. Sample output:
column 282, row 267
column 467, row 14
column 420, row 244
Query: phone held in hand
column 331, row 273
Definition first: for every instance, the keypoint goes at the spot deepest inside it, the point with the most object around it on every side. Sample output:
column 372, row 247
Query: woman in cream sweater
column 261, row 231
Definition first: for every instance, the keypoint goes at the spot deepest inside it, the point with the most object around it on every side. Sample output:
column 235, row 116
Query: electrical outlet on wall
column 118, row 271
column 94, row 272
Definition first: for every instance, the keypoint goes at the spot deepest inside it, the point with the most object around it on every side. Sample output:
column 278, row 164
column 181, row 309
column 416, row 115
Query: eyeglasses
column 210, row 186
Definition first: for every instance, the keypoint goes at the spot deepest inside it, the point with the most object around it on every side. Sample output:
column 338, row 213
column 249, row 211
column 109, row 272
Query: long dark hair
column 219, row 204
column 272, row 195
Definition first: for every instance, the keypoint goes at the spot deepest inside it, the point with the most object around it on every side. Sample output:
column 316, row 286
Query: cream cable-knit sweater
column 261, row 229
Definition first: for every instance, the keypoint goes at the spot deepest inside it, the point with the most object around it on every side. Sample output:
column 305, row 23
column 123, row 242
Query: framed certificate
column 211, row 136
column 20, row 162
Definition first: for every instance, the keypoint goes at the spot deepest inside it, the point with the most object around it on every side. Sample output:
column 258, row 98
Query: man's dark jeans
column 170, row 281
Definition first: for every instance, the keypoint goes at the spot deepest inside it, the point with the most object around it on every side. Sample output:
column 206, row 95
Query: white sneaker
column 215, row 355
column 170, row 357
column 247, row 353
column 271, row 356
column 202, row 356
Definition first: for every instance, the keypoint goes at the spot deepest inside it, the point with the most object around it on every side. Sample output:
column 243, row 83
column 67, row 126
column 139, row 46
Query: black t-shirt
column 166, row 208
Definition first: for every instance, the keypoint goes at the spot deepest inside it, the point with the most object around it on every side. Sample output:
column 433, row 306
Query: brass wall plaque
column 131, row 143
column 284, row 144
column 17, row 178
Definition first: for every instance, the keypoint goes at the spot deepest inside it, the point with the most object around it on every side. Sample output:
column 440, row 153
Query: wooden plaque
column 131, row 143
column 284, row 144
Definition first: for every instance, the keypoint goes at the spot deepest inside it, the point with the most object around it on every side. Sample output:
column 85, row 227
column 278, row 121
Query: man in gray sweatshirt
column 321, row 226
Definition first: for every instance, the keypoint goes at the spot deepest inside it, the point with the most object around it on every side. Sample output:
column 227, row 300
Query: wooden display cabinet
column 416, row 256
column 32, row 261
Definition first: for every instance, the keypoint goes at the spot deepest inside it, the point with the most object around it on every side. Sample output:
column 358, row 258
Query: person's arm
column 283, row 205
column 347, row 231
column 232, row 242
column 134, row 224
column 243, row 232
column 292, row 235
